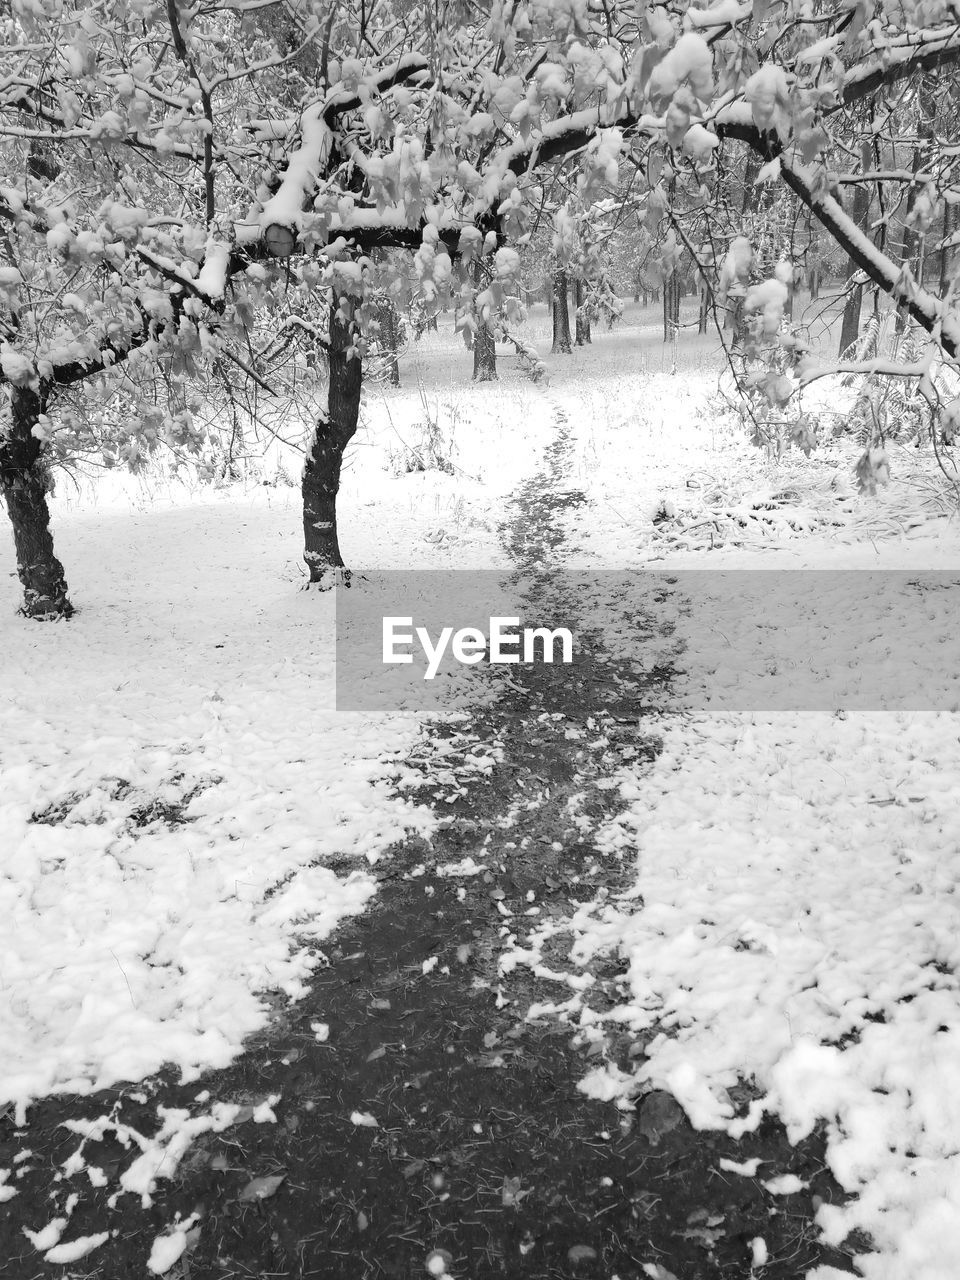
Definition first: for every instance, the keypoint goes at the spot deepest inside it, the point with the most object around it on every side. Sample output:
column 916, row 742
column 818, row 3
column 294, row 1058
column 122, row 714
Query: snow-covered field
column 794, row 917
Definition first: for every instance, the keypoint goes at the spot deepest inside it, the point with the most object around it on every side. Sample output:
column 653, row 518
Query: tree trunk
column 484, row 354
column 671, row 307
column 583, row 334
column 389, row 318
column 484, row 343
column 948, row 223
column 333, row 432
column 561, row 315
column 25, row 483
column 750, row 171
column 850, row 325
column 704, row 319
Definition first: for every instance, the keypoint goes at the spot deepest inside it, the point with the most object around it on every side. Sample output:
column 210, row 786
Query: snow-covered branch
column 896, row 280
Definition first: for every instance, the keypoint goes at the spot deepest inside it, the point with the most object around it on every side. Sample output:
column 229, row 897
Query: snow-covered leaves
column 873, row 469
column 175, row 155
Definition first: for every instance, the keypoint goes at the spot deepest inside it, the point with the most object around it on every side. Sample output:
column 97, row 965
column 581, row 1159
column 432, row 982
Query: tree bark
column 333, row 432
column 484, row 343
column 484, row 354
column 561, row 314
column 948, row 224
column 850, row 325
column 671, row 307
column 389, row 318
column 25, row 483
column 582, row 325
column 704, row 318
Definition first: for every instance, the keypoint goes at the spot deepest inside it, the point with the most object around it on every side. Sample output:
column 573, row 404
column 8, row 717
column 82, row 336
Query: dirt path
column 411, row 1106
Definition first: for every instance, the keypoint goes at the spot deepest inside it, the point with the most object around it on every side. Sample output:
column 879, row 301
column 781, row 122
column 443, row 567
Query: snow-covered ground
column 793, row 917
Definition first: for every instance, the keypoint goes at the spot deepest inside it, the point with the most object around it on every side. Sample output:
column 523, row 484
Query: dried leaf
column 511, row 1193
column 364, row 1120
column 581, row 1253
column 262, row 1188
column 376, row 1053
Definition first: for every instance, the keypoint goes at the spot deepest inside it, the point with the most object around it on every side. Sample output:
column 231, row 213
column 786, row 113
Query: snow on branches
column 155, row 155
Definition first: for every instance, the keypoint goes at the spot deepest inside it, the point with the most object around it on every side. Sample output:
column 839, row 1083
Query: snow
column 766, row 91
column 790, row 906
column 17, row 367
column 48, row 1236
column 719, row 14
column 171, row 1246
column 795, row 867
column 788, row 1184
column 165, row 1251
column 74, row 1250
column 212, row 277
column 304, row 166
column 176, row 694
column 690, row 60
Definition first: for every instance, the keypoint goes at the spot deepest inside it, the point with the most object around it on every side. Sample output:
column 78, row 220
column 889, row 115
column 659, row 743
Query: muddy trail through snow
column 407, row 1115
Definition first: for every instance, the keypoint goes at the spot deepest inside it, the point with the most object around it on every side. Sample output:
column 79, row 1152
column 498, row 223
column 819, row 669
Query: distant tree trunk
column 704, row 319
column 333, row 432
column 948, row 224
column 561, row 314
column 914, row 242
column 671, row 307
column 912, row 253
column 850, row 325
column 582, row 318
column 750, row 172
column 25, row 482
column 484, row 354
column 389, row 318
column 484, row 343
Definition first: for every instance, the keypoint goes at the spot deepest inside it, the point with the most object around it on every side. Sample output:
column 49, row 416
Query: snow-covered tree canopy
column 161, row 158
